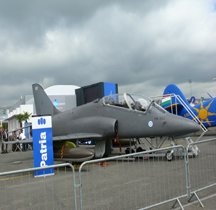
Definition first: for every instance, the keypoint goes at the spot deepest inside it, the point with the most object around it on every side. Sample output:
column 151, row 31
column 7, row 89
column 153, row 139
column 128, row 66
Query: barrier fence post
column 187, row 173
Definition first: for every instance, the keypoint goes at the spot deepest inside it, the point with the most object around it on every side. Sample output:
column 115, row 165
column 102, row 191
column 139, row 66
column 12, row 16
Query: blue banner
column 42, row 144
column 109, row 89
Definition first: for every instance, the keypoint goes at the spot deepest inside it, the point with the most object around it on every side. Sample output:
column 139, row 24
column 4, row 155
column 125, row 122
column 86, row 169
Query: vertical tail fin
column 169, row 100
column 42, row 102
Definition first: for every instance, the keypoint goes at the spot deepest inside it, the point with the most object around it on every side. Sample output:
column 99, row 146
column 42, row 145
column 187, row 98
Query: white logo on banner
column 43, row 150
column 43, row 135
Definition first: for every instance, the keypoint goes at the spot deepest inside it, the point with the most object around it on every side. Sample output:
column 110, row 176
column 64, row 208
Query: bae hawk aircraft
column 205, row 111
column 120, row 116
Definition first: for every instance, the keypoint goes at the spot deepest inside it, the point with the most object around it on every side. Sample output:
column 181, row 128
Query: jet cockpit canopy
column 130, row 101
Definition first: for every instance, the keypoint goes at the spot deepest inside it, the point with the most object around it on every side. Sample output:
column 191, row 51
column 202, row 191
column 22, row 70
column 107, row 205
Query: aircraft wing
column 77, row 136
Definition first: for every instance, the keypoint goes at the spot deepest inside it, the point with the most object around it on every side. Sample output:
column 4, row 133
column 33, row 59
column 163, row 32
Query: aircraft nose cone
column 191, row 126
column 180, row 125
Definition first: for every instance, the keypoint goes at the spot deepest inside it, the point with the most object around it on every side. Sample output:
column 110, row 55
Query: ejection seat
column 110, row 101
column 137, row 106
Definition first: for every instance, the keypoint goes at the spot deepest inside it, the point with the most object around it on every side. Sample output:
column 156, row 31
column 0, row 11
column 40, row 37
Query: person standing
column 22, row 137
column 5, row 138
column 13, row 138
column 1, row 138
column 17, row 134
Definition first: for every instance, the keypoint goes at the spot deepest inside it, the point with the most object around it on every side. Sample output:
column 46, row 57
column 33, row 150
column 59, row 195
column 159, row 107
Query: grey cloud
column 141, row 45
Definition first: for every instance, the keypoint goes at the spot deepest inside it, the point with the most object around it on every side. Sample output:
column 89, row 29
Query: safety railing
column 133, row 183
column 20, row 190
column 195, row 118
column 188, row 109
column 201, row 169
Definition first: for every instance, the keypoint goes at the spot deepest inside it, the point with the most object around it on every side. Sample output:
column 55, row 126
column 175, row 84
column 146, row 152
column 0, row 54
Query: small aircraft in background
column 120, row 116
column 205, row 112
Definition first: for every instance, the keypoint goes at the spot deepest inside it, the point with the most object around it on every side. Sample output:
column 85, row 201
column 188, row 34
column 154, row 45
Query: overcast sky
column 142, row 45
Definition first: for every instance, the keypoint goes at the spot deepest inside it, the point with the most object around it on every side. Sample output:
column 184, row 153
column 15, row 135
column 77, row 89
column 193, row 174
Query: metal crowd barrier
column 202, row 168
column 20, row 190
column 133, row 184
column 134, row 181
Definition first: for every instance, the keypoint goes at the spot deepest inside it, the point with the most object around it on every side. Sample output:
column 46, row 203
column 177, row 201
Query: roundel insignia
column 150, row 123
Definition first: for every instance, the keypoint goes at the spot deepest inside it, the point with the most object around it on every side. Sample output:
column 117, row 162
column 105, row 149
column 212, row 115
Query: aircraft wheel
column 191, row 156
column 169, row 156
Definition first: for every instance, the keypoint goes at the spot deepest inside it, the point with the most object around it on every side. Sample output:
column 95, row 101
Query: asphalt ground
column 23, row 160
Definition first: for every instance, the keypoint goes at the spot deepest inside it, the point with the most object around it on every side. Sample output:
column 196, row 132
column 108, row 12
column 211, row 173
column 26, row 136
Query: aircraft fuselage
column 102, row 119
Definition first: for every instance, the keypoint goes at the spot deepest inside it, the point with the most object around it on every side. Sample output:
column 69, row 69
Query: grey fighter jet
column 120, row 116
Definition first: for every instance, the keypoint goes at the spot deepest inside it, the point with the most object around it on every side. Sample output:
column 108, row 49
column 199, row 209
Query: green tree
column 23, row 117
column 26, row 116
column 20, row 118
column 4, row 125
